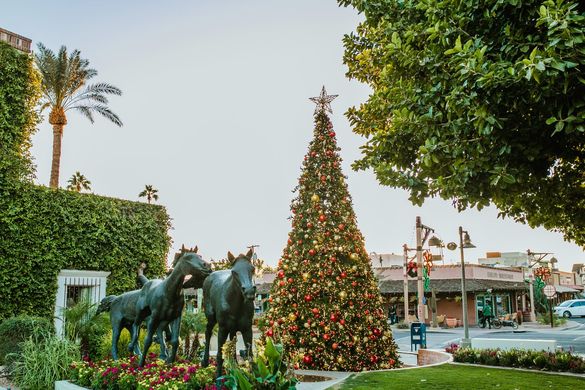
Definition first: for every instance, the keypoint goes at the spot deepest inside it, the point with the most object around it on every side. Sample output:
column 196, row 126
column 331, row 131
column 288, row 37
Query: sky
column 217, row 118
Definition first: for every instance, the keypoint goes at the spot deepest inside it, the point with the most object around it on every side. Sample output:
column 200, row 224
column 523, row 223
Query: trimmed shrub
column 16, row 330
column 541, row 360
column 44, row 230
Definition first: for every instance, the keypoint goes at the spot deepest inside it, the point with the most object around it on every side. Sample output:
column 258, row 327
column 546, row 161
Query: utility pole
column 420, row 239
column 405, row 281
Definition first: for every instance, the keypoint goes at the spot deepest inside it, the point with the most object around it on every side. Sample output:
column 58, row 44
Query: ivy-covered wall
column 45, row 230
column 19, row 93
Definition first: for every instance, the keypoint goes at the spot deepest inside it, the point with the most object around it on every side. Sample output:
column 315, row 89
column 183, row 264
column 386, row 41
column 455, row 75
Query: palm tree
column 149, row 192
column 78, row 182
column 64, row 87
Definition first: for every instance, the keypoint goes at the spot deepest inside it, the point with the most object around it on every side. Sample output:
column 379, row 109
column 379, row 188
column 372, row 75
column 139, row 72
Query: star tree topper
column 323, row 101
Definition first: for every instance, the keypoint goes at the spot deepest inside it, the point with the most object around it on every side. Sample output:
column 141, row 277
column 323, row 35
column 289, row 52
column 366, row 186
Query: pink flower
column 186, row 378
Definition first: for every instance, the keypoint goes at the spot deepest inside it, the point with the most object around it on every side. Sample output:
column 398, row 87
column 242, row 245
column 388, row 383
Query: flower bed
column 563, row 361
column 124, row 374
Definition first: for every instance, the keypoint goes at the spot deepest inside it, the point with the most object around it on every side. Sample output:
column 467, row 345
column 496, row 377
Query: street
column 566, row 338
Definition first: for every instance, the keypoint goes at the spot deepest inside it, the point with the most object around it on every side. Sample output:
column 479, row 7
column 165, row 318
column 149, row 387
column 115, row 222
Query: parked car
column 570, row 308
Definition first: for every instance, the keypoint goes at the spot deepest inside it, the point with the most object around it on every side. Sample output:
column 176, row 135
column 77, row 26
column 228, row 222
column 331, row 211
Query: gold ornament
column 343, row 295
column 315, row 198
column 306, row 276
column 354, row 256
column 292, row 317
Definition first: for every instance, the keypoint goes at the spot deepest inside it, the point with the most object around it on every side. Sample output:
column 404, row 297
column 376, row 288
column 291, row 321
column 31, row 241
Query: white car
column 570, row 308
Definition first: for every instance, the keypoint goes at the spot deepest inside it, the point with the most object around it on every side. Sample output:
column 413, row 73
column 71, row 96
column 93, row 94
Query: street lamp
column 464, row 243
column 420, row 240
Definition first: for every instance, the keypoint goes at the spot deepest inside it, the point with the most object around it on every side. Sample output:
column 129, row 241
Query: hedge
column 19, row 93
column 45, row 230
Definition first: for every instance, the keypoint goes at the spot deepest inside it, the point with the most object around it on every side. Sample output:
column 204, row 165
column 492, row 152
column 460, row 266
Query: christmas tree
column 325, row 302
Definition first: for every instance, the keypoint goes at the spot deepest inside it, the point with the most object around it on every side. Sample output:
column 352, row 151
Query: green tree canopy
column 477, row 101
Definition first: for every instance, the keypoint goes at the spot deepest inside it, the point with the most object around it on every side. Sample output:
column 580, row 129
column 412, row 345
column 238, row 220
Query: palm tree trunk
column 56, row 163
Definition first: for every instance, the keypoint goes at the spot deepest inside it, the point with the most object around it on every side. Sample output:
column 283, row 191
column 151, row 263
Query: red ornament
column 373, row 358
column 290, row 241
column 290, row 280
column 269, row 333
column 315, row 310
column 333, row 259
column 353, row 284
column 310, row 225
column 326, row 337
column 322, row 218
column 341, row 226
column 307, row 359
column 281, row 283
column 308, row 298
column 281, row 274
column 334, row 345
column 312, row 252
column 332, row 134
column 342, row 321
column 343, row 274
column 333, row 317
column 391, row 361
column 323, row 178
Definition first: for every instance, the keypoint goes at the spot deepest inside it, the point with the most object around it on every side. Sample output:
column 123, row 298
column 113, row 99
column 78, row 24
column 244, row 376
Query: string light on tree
column 325, row 302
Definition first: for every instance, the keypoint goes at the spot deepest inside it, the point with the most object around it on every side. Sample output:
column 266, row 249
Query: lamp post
column 534, row 258
column 420, row 239
column 464, row 242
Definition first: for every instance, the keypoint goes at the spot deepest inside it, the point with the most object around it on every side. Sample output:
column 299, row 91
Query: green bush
column 104, row 345
column 545, row 319
column 14, row 331
column 542, row 360
column 44, row 360
column 267, row 371
column 83, row 326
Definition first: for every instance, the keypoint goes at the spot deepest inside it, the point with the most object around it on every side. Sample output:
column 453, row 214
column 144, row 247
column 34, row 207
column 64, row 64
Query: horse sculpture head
column 243, row 273
column 192, row 263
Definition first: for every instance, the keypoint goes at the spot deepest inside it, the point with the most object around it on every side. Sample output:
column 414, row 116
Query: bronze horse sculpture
column 163, row 301
column 228, row 300
column 123, row 310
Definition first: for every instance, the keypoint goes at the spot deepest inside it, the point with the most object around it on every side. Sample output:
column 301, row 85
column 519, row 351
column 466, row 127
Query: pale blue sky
column 217, row 117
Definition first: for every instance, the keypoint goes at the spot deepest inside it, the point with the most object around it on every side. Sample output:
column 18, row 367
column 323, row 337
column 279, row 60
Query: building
column 505, row 289
column 17, row 41
column 505, row 259
column 579, row 271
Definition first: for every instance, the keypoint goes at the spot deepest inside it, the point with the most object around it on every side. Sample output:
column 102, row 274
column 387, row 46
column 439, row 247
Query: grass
column 455, row 377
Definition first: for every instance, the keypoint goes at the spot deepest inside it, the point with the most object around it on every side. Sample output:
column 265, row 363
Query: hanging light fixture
column 467, row 241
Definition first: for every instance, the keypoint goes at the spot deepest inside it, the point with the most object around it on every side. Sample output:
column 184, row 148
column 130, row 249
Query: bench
column 505, row 344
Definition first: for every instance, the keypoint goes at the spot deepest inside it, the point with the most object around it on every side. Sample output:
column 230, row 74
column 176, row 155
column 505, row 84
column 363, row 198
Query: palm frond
column 86, row 111
column 107, row 113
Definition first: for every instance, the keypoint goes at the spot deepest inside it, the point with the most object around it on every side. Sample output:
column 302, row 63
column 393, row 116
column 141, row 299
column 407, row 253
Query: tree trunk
column 56, row 163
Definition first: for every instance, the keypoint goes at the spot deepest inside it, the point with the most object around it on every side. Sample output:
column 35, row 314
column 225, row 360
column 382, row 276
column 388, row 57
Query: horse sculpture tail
column 142, row 280
column 105, row 304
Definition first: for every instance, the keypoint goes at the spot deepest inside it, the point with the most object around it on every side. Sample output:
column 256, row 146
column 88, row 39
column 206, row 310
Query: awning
column 452, row 285
column 565, row 289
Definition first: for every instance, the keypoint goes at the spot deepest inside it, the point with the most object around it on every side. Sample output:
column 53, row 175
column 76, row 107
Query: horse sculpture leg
column 175, row 327
column 221, row 338
column 208, row 332
column 247, row 336
column 161, row 341
column 135, row 349
column 116, row 325
column 152, row 326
